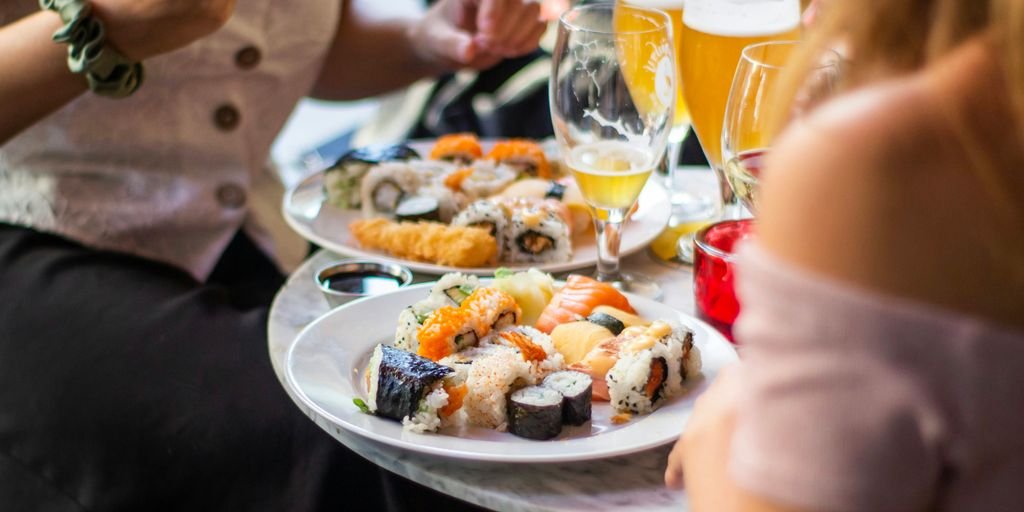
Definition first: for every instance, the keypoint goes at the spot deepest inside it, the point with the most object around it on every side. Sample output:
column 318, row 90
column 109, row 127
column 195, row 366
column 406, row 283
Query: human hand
column 143, row 28
column 702, row 453
column 477, row 33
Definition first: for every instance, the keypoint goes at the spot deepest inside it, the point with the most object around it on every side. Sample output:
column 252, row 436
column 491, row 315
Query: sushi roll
column 448, row 203
column 537, row 236
column 452, row 289
column 487, row 178
column 407, row 388
column 640, row 381
column 576, row 389
column 533, row 347
column 385, row 186
column 342, row 180
column 446, row 331
column 491, row 377
column 417, row 208
column 460, row 148
column 526, row 156
column 535, row 413
column 492, row 310
column 484, row 214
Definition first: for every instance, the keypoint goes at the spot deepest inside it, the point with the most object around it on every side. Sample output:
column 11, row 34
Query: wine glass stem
column 608, row 226
column 731, row 207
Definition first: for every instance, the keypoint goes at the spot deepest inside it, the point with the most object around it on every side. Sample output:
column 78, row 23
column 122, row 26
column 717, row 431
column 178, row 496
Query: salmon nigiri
column 577, row 299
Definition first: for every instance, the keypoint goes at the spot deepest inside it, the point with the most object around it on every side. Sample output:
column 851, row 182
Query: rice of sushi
column 487, row 214
column 426, row 418
column 536, row 236
column 490, row 380
column 448, row 203
column 488, row 178
column 537, row 369
column 451, row 290
column 385, row 185
column 627, row 380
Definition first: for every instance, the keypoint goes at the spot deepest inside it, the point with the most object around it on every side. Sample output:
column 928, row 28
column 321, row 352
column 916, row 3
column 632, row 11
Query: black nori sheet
column 376, row 154
column 403, row 379
column 578, row 409
column 534, row 421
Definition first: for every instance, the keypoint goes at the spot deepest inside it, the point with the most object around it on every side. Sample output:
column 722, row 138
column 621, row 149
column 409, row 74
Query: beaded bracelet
column 107, row 71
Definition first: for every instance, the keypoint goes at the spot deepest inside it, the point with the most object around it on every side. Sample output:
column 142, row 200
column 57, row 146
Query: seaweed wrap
column 342, row 180
column 576, row 389
column 535, row 413
column 537, row 235
column 406, row 387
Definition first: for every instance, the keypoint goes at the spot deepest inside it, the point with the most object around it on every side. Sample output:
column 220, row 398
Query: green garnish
column 421, row 318
column 361, row 405
column 503, row 272
column 467, row 289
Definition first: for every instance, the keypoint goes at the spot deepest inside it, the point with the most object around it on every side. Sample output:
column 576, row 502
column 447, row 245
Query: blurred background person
column 135, row 281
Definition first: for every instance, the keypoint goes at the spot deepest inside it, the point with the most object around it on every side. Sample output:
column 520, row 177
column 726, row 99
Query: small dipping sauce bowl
column 345, row 281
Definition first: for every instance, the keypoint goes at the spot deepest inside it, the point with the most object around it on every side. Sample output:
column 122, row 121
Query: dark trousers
column 127, row 385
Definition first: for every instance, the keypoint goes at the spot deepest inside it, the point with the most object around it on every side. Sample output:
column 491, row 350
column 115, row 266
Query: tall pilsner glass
column 714, row 34
column 684, row 205
column 613, row 89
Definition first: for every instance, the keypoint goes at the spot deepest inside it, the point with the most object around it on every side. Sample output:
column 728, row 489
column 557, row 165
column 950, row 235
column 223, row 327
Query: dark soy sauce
column 363, row 283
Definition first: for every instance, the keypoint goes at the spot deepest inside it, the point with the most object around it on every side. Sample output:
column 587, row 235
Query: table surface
column 622, row 483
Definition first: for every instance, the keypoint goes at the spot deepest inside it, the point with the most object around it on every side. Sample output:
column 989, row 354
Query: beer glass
column 714, row 34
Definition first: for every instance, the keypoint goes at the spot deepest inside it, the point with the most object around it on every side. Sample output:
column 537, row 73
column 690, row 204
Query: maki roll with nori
column 342, row 180
column 535, row 413
column 537, row 235
column 407, row 388
column 417, row 208
column 485, row 214
column 577, row 390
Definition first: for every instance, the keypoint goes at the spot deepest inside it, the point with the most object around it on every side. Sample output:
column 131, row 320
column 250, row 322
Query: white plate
column 327, row 226
column 325, row 368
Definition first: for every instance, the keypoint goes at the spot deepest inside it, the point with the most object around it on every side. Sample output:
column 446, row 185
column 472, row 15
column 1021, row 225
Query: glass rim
column 745, row 54
column 563, row 20
column 701, row 245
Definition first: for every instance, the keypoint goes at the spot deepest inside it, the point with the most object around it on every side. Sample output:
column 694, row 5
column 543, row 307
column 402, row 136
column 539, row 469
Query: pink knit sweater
column 858, row 401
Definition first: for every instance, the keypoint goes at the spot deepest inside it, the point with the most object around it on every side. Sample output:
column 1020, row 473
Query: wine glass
column 753, row 116
column 612, row 98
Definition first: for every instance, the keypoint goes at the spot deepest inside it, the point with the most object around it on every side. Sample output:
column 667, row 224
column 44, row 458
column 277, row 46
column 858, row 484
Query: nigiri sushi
column 577, row 299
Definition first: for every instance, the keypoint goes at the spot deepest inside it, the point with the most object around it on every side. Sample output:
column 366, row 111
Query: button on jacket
column 165, row 174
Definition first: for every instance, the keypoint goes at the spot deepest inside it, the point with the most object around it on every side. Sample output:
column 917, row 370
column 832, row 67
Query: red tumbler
column 713, row 272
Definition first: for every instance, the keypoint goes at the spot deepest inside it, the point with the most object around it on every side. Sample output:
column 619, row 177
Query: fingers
column 674, row 468
column 489, row 16
column 509, row 27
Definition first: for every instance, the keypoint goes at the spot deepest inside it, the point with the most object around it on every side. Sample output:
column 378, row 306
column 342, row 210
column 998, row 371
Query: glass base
column 687, row 206
column 684, row 249
column 637, row 284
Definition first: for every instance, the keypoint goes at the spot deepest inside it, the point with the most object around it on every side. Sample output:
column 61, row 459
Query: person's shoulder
column 838, row 181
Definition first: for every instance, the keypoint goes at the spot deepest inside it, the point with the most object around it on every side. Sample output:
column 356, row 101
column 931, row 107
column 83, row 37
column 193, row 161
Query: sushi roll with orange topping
column 524, row 155
column 492, row 309
column 446, row 331
column 461, row 148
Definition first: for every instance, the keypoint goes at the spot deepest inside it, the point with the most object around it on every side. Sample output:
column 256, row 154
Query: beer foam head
column 742, row 18
column 657, row 4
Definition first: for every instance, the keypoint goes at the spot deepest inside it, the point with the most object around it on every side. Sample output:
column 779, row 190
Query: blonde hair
column 887, row 38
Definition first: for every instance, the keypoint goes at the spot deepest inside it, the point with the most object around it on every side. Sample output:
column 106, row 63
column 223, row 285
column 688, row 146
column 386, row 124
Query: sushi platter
column 361, row 353
column 327, row 209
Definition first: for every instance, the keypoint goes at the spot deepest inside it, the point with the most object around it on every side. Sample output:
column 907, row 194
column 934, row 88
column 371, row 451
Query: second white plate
column 305, row 211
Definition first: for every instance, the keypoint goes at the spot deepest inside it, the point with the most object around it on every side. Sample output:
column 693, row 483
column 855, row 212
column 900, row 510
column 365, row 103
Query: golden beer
column 714, row 35
column 611, row 174
column 674, row 9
